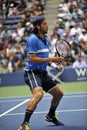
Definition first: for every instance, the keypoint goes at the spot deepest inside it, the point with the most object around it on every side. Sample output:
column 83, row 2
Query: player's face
column 44, row 27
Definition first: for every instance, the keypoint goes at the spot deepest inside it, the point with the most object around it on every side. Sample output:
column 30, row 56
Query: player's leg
column 31, row 106
column 57, row 96
column 50, row 86
column 37, row 94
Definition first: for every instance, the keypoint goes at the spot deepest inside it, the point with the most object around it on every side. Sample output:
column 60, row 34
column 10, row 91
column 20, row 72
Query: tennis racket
column 62, row 48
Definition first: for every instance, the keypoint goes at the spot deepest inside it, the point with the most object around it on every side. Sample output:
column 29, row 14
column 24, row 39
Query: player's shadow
column 64, row 127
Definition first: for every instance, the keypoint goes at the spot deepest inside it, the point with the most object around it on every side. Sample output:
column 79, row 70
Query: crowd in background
column 13, row 36
column 71, row 24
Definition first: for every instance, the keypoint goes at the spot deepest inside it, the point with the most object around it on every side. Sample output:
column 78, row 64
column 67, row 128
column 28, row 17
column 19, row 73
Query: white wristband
column 53, row 65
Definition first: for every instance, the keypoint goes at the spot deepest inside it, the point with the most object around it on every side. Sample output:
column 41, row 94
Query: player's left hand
column 59, row 68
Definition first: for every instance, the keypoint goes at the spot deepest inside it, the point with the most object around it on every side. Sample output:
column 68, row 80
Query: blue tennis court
column 72, row 111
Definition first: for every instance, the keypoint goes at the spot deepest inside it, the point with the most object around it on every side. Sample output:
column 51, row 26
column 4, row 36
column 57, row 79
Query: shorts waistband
column 37, row 71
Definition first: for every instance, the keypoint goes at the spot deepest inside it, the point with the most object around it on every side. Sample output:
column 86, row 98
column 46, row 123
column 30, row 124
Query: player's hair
column 35, row 30
column 37, row 21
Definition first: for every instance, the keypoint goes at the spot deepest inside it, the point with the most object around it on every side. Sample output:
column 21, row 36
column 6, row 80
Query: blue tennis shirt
column 37, row 46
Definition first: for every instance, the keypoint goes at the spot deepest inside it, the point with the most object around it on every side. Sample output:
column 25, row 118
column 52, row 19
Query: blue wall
column 73, row 75
column 10, row 79
column 68, row 75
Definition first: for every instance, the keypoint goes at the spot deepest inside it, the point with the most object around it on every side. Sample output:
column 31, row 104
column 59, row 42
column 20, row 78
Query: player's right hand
column 58, row 59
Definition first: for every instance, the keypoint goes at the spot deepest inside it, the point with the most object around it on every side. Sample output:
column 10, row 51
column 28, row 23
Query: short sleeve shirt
column 36, row 45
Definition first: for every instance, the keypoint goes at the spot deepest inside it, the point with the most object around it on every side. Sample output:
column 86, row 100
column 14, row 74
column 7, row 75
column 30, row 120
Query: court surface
column 72, row 111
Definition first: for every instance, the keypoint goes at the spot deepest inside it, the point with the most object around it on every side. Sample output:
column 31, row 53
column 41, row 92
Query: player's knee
column 38, row 96
column 61, row 94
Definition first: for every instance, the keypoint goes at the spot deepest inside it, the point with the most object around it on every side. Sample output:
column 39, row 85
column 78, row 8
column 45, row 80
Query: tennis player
column 36, row 75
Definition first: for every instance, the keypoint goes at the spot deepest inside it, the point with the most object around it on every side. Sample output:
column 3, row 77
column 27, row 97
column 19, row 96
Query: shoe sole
column 53, row 122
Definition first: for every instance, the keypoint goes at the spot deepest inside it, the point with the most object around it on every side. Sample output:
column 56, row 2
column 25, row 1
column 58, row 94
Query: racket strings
column 63, row 48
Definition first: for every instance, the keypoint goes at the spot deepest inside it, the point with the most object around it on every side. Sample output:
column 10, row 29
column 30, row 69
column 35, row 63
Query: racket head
column 62, row 48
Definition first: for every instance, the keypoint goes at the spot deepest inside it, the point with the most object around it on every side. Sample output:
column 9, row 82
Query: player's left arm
column 58, row 67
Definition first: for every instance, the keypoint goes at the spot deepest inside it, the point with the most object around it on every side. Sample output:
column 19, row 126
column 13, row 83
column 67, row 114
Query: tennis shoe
column 24, row 127
column 54, row 120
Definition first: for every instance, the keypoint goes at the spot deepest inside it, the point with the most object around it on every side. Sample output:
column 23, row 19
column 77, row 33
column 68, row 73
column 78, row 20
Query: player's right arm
column 35, row 59
column 32, row 50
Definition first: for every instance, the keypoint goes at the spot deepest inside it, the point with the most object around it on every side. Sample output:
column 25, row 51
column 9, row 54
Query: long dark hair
column 35, row 30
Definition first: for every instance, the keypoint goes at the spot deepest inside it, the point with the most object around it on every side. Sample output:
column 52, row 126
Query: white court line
column 46, row 97
column 43, row 112
column 13, row 108
column 66, row 94
column 12, row 100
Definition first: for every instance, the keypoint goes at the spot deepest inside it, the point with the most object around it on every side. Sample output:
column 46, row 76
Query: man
column 36, row 76
column 79, row 63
